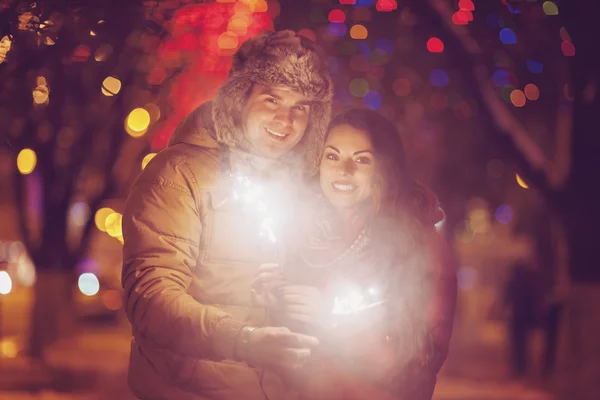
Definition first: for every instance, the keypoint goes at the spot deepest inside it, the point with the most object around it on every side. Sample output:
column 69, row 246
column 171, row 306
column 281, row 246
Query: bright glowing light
column 92, row 33
column 532, row 92
column 435, row 45
column 337, row 16
column 9, row 348
column 228, row 41
column 352, row 299
column 26, row 161
column 111, row 86
column 550, row 8
column 147, row 159
column 517, row 98
column 359, row 32
column 100, row 217
column 521, row 182
column 5, row 283
column 88, row 284
column 113, row 225
column 137, row 122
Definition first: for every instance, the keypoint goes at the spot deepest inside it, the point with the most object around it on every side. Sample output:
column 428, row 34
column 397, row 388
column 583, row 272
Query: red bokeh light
column 567, row 48
column 462, row 17
column 435, row 45
column 347, row 1
column 466, row 5
column 337, row 16
column 386, row 5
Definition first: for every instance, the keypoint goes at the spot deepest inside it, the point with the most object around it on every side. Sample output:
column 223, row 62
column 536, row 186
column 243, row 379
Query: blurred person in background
column 373, row 279
column 191, row 252
column 522, row 299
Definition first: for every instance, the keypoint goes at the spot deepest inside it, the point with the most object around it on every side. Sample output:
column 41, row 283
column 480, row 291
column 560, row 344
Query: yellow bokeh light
column 92, row 33
column 26, row 161
column 111, row 86
column 228, row 41
column 137, row 122
column 359, row 32
column 550, row 8
column 521, row 182
column 238, row 25
column 9, row 348
column 100, row 218
column 147, row 159
column 113, row 225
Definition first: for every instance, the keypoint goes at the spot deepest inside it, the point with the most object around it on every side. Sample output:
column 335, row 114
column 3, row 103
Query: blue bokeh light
column 504, row 214
column 500, row 78
column 535, row 67
column 372, row 100
column 337, row 29
column 507, row 36
column 384, row 46
column 439, row 78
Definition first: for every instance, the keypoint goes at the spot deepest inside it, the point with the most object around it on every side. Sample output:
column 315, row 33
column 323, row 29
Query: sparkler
column 354, row 299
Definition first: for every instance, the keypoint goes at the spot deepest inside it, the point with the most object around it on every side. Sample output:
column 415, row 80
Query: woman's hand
column 303, row 306
column 275, row 348
column 264, row 286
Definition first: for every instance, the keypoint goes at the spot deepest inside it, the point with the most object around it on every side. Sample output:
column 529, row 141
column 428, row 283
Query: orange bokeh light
column 532, row 92
column 517, row 98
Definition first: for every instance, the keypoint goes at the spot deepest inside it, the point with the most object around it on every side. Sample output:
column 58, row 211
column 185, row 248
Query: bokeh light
column 567, row 48
column 532, row 92
column 517, row 98
column 435, row 45
column 336, row 16
column 401, row 87
column 228, row 41
column 384, row 46
column 550, row 8
column 504, row 214
column 507, row 36
column 521, row 182
column 137, row 122
column 112, row 300
column 111, row 86
column 359, row 32
column 500, row 78
column 26, row 161
column 439, row 78
column 5, row 283
column 113, row 225
column 79, row 213
column 372, row 100
column 100, row 218
column 359, row 87
column 386, row 5
column 535, row 67
column 337, row 29
column 88, row 284
column 147, row 159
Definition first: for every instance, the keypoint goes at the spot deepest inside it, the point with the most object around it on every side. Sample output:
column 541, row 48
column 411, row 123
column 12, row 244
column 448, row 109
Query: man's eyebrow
column 334, row 148
column 269, row 91
column 362, row 151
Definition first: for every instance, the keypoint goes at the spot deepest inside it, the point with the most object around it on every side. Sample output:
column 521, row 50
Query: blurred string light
column 348, row 2
column 9, row 348
column 113, row 225
column 532, row 92
column 137, row 122
column 5, row 46
column 88, row 284
column 550, row 8
column 103, row 52
column 359, row 32
column 521, row 182
column 26, row 161
column 439, row 78
column 564, row 35
column 147, row 159
column 435, row 45
column 517, row 98
column 111, row 86
column 567, row 48
column 386, row 5
column 5, row 283
column 464, row 15
column 507, row 36
column 100, row 218
column 79, row 213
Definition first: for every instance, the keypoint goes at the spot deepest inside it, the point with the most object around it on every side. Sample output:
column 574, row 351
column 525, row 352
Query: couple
column 211, row 320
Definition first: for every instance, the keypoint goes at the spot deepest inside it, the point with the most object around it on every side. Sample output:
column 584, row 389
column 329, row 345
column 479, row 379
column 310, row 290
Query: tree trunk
column 52, row 314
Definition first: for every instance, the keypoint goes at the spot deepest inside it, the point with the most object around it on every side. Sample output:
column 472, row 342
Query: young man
column 191, row 251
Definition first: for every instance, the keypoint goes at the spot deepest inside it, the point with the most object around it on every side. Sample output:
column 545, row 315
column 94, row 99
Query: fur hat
column 277, row 59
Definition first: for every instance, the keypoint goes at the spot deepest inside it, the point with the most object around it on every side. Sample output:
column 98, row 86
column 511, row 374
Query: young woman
column 372, row 278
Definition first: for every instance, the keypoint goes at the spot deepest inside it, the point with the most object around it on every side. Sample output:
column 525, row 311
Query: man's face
column 274, row 120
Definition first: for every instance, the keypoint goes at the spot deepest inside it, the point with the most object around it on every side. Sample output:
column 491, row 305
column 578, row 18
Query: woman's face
column 347, row 170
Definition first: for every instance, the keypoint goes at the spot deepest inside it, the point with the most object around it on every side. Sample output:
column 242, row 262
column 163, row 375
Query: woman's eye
column 363, row 160
column 271, row 100
column 300, row 109
column 332, row 157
